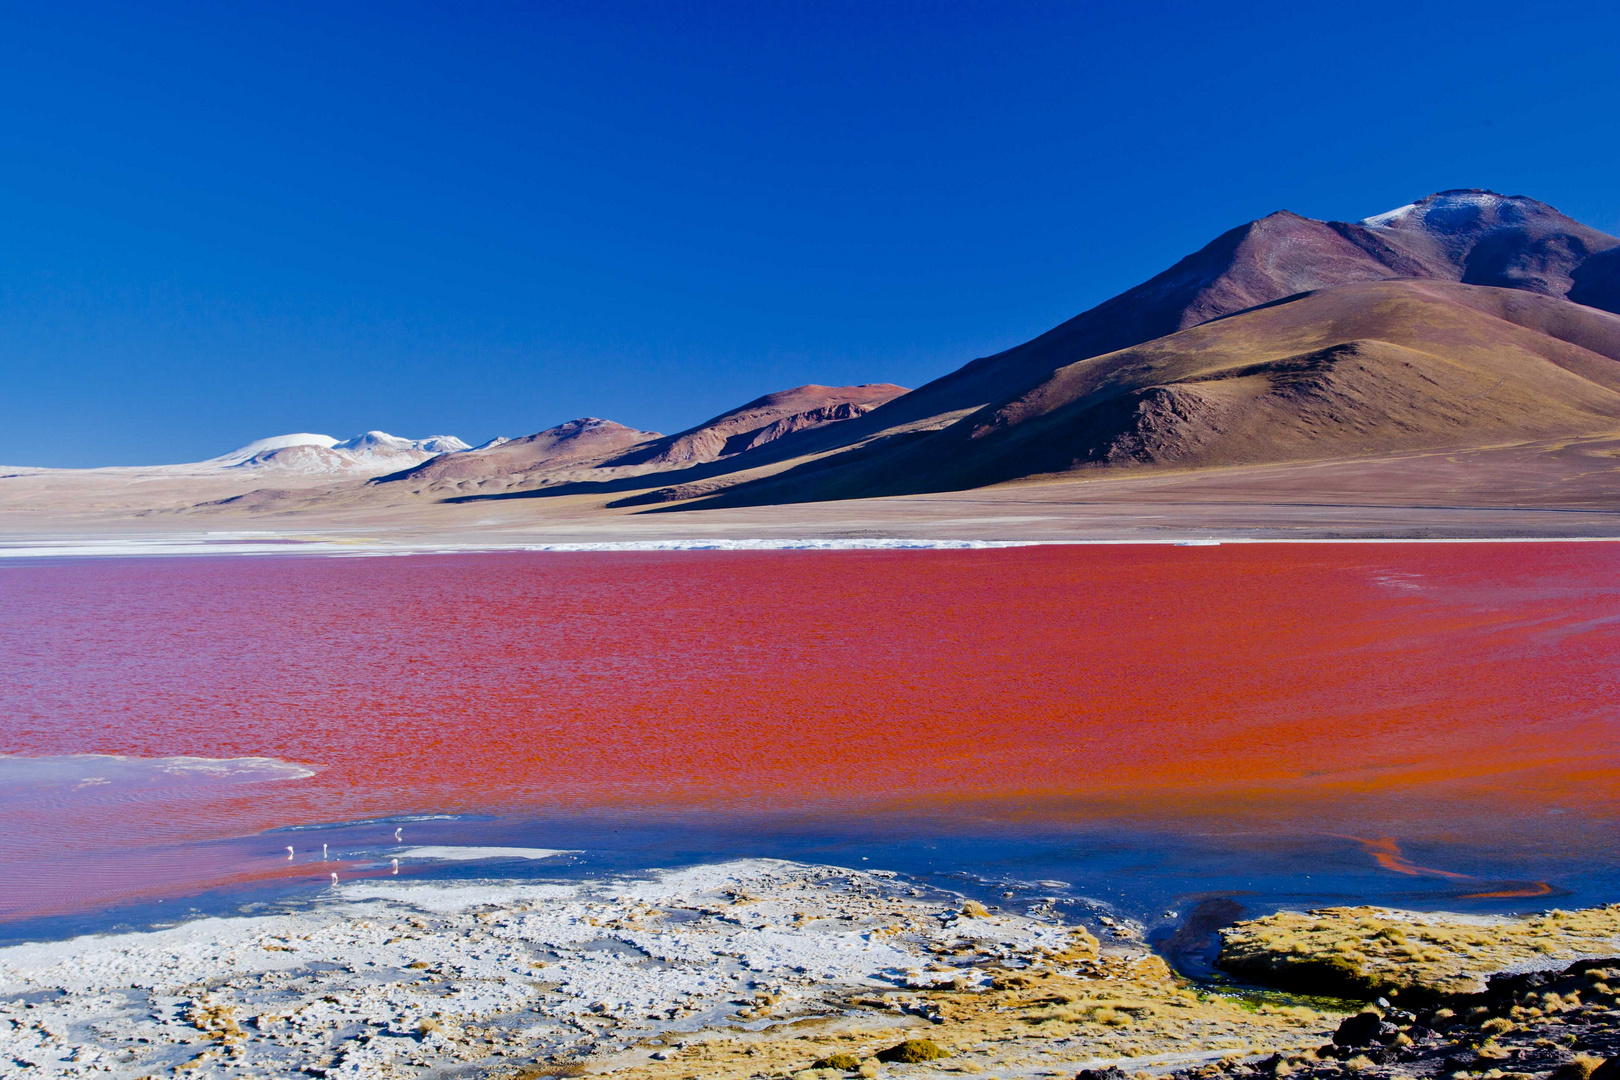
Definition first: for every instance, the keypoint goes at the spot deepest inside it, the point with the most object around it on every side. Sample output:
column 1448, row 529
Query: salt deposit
column 384, row 975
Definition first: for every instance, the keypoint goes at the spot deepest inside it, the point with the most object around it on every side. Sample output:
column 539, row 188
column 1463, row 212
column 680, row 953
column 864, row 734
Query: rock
column 1113, row 1072
column 1609, row 1070
column 846, row 1062
column 1460, row 1061
column 911, row 1052
column 1362, row 1029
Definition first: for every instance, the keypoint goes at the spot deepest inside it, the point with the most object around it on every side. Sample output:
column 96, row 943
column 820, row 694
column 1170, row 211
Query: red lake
column 1383, row 692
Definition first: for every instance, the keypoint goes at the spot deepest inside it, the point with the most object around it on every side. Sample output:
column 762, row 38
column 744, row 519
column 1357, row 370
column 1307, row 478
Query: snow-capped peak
column 1444, row 205
column 370, row 452
column 379, row 443
column 274, row 442
column 442, row 444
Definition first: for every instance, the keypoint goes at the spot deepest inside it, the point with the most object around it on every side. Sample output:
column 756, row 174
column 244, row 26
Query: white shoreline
column 380, row 973
column 271, row 544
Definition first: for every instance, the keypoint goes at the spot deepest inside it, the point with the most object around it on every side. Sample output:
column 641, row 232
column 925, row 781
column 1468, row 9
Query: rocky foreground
column 1495, row 998
column 755, row 969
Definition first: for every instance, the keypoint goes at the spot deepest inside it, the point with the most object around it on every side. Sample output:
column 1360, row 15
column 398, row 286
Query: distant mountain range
column 1465, row 320
column 373, row 451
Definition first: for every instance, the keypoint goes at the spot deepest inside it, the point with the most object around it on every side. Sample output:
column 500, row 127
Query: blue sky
column 224, row 221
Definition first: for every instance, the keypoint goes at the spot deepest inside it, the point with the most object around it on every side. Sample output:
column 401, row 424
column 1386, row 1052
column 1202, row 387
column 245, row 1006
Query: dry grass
column 1372, row 950
column 1116, row 1005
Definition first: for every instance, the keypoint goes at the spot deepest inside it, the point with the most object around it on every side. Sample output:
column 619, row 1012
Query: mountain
column 380, row 444
column 1482, row 238
column 243, row 454
column 1063, row 401
column 591, row 454
column 1471, row 325
column 1466, row 235
column 308, row 454
column 1356, row 371
column 588, row 439
column 762, row 421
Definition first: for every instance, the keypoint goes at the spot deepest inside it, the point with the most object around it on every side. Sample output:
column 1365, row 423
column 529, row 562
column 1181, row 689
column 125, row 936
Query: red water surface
column 1265, row 679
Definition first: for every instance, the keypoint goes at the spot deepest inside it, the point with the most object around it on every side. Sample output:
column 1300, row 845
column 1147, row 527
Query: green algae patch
column 1367, row 952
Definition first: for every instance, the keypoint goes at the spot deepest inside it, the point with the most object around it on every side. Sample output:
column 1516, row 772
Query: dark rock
column 1113, row 1072
column 1609, row 1070
column 1362, row 1029
column 1460, row 1061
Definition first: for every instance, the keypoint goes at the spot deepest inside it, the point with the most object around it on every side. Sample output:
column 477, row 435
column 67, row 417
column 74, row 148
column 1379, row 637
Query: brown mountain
column 600, row 456
column 1041, row 408
column 1468, row 235
column 1356, row 371
column 762, row 421
column 578, row 442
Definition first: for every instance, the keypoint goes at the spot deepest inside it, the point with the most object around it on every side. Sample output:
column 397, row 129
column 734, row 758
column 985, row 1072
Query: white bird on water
column 289, row 853
column 334, row 879
column 398, row 831
column 323, row 853
column 396, row 866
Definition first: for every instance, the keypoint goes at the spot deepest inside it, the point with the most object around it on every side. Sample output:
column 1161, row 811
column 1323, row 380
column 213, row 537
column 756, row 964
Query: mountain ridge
column 1464, row 320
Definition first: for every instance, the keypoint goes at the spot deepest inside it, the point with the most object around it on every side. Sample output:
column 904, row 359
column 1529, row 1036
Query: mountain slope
column 1473, row 236
column 1275, row 257
column 1469, row 236
column 1357, row 370
column 762, row 421
column 588, row 439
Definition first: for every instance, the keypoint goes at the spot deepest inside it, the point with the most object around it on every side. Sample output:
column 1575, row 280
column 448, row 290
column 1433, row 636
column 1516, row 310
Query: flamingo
column 334, row 879
column 398, row 831
column 396, row 866
column 323, row 853
column 289, row 853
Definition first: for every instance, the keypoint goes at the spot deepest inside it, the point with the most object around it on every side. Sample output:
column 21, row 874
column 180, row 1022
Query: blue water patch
column 1177, row 885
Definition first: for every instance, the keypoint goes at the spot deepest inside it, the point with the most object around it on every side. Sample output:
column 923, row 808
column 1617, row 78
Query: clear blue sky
column 224, row 221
